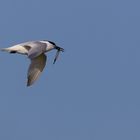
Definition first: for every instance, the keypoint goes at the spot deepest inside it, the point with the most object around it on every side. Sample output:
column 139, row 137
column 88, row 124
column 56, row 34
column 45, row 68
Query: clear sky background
column 93, row 90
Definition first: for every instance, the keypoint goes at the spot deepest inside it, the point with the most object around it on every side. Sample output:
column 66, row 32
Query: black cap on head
column 52, row 43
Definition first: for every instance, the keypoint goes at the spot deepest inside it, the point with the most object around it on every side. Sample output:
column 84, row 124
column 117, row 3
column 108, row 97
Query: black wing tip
column 29, row 83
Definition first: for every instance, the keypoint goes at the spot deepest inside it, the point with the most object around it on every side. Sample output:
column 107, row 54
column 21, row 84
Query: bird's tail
column 8, row 50
column 4, row 49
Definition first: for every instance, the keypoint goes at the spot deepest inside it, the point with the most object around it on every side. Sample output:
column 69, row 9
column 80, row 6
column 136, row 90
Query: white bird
column 35, row 50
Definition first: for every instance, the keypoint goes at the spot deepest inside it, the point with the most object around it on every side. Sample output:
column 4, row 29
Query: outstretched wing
column 36, row 67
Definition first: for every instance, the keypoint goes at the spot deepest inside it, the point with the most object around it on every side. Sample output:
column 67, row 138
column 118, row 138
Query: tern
column 35, row 51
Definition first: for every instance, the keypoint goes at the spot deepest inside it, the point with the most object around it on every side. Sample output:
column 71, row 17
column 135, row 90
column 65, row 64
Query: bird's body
column 35, row 50
column 23, row 48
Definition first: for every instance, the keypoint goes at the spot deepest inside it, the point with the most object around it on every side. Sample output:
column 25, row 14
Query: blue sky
column 93, row 90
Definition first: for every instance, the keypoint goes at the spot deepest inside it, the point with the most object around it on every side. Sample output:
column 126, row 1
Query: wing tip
column 28, row 85
column 29, row 82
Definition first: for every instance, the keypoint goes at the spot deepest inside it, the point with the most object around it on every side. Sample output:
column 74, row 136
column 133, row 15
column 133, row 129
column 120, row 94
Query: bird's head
column 59, row 49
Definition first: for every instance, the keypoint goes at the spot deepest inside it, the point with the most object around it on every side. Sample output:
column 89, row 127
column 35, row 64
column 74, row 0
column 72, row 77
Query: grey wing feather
column 36, row 67
column 37, row 49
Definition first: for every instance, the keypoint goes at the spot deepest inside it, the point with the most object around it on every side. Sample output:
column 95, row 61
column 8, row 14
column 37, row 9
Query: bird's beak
column 59, row 49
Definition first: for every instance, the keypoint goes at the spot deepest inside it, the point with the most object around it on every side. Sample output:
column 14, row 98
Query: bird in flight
column 35, row 50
